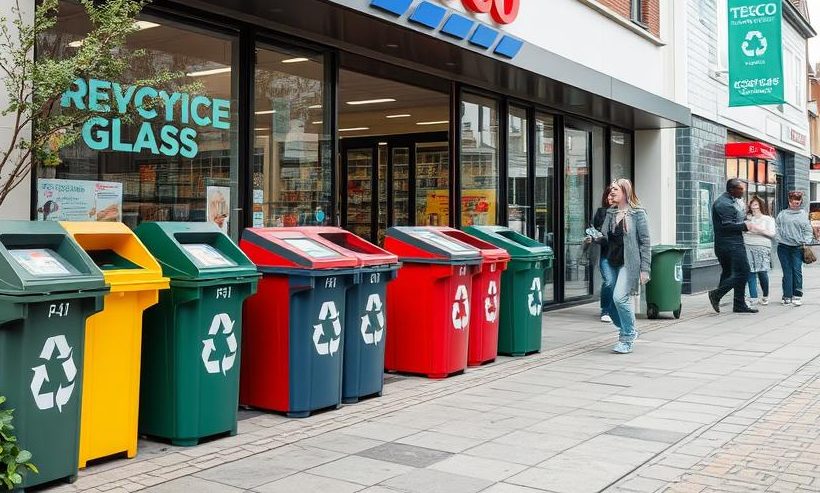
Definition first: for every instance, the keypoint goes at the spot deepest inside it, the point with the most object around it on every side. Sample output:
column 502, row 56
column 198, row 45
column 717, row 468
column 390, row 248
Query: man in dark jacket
column 729, row 223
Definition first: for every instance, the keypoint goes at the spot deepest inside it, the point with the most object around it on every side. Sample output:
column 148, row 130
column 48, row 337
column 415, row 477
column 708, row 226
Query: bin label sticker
column 60, row 397
column 535, row 298
column 372, row 333
column 221, row 323
column 679, row 272
column 461, row 308
column 491, row 303
column 330, row 345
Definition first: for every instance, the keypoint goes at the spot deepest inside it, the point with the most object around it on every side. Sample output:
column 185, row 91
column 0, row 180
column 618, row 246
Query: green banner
column 755, row 52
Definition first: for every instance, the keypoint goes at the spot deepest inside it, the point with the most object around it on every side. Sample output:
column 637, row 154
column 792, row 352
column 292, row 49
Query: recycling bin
column 484, row 314
column 663, row 291
column 113, row 338
column 365, row 313
column 192, row 337
column 295, row 325
column 522, row 288
column 429, row 302
column 48, row 288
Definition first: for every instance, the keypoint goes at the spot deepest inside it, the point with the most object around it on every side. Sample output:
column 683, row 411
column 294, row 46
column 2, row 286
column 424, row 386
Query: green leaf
column 33, row 468
column 16, row 478
column 23, row 457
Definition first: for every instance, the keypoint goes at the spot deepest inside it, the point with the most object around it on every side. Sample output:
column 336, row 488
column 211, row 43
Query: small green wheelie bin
column 522, row 288
column 48, row 288
column 192, row 337
column 664, row 287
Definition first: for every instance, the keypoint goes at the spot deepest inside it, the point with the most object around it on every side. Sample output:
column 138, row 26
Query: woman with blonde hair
column 759, row 248
column 626, row 233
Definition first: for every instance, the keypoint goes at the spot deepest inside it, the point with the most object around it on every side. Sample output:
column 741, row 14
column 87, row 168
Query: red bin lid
column 294, row 248
column 489, row 252
column 429, row 245
column 349, row 244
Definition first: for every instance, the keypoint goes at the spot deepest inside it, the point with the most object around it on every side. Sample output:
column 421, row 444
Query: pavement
column 708, row 403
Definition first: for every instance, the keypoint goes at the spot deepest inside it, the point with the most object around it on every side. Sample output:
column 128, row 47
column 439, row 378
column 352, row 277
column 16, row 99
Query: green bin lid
column 40, row 257
column 516, row 244
column 194, row 251
column 667, row 248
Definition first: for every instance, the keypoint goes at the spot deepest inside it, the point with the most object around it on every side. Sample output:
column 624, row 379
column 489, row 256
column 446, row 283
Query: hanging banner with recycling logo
column 755, row 52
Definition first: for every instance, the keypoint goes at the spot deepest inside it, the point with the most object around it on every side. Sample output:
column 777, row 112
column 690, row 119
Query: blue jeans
column 623, row 316
column 608, row 276
column 764, row 283
column 791, row 260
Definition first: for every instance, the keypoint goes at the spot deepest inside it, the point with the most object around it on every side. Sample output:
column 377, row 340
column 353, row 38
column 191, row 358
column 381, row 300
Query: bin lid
column 40, row 257
column 667, row 248
column 428, row 244
column 125, row 262
column 489, row 252
column 293, row 248
column 367, row 253
column 194, row 251
column 518, row 245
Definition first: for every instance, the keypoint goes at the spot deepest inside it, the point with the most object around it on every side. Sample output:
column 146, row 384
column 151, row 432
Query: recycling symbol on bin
column 62, row 395
column 221, row 323
column 461, row 308
column 491, row 303
column 330, row 345
column 372, row 333
column 755, row 44
column 535, row 297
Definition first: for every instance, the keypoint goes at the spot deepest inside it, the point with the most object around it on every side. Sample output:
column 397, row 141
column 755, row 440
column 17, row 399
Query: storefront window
column 517, row 183
column 174, row 162
column 291, row 165
column 544, row 195
column 620, row 160
column 479, row 160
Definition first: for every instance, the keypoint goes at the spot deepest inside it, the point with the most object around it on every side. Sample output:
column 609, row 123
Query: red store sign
column 757, row 150
column 502, row 11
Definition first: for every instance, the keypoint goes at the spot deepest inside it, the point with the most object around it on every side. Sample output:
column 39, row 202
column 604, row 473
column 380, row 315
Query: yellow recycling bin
column 111, row 373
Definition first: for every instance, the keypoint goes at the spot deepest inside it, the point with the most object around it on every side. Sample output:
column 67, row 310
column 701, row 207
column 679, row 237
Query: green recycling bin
column 48, row 288
column 192, row 337
column 522, row 288
column 664, row 287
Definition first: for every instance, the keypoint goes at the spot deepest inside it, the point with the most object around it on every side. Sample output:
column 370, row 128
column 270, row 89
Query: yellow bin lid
column 125, row 262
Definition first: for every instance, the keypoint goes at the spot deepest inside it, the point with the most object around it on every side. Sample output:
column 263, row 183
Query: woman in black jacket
column 607, row 272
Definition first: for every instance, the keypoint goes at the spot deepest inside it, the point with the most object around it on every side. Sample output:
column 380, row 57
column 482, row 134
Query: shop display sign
column 78, row 200
column 706, row 232
column 219, row 206
column 755, row 52
column 168, row 128
column 502, row 11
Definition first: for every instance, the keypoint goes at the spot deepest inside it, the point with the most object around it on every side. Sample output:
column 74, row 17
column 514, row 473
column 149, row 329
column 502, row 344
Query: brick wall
column 700, row 160
column 651, row 12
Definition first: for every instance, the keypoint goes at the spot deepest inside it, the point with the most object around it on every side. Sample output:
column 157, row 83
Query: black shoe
column 745, row 309
column 714, row 301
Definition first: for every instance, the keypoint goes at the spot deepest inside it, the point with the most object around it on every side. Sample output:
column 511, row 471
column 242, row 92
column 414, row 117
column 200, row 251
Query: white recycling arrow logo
column 461, row 308
column 63, row 394
column 221, row 323
column 330, row 346
column 754, row 44
column 491, row 303
column 374, row 306
column 535, row 298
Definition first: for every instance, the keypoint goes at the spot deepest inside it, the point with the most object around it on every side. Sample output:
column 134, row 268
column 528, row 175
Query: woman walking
column 607, row 273
column 793, row 231
column 759, row 248
column 626, row 233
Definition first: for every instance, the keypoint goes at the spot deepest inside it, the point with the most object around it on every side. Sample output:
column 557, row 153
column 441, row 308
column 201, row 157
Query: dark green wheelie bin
column 664, row 287
column 48, row 288
column 522, row 288
column 193, row 336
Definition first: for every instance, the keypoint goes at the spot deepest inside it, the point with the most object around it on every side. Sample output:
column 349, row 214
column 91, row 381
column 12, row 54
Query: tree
column 40, row 128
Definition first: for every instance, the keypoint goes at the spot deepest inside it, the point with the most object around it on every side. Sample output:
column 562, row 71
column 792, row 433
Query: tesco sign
column 502, row 11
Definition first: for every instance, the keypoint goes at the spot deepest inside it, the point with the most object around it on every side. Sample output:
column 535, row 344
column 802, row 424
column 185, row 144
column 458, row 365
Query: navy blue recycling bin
column 293, row 341
column 366, row 313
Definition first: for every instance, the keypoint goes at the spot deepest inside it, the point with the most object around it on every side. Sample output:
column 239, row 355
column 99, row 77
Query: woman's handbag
column 808, row 255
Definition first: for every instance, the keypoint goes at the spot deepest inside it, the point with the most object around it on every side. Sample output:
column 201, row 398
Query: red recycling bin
column 485, row 309
column 429, row 302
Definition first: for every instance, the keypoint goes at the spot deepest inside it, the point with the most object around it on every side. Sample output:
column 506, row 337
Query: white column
column 655, row 181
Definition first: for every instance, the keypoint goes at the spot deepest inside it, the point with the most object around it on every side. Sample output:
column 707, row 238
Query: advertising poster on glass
column 78, row 200
column 219, row 206
column 706, row 233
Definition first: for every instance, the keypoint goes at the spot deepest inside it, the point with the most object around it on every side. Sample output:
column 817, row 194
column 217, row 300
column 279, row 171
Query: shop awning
column 759, row 150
